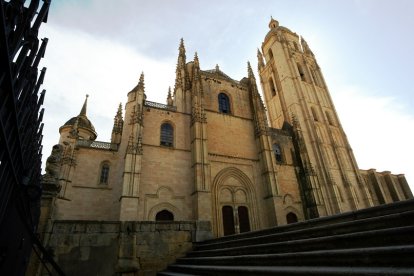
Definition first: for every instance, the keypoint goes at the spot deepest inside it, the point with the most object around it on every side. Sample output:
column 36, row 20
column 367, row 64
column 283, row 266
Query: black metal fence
column 20, row 130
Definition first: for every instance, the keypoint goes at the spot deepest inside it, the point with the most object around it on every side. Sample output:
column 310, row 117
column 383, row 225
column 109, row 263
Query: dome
column 81, row 122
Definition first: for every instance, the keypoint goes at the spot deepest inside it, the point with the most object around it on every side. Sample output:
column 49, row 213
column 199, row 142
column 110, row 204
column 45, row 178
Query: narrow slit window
column 272, row 87
column 104, row 174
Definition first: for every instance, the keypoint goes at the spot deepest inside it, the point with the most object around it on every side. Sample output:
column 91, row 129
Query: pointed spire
column 118, row 125
column 180, row 71
column 260, row 60
column 250, row 71
column 83, row 110
column 141, row 84
column 119, row 112
column 196, row 62
column 169, row 97
column 182, row 48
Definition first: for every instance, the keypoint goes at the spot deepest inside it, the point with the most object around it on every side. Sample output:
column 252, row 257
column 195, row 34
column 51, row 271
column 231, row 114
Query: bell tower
column 297, row 98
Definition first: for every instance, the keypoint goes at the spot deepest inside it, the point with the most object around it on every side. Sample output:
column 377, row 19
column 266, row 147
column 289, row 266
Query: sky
column 100, row 48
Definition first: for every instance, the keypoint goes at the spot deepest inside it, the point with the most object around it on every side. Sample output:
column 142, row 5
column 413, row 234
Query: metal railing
column 160, row 106
column 97, row 145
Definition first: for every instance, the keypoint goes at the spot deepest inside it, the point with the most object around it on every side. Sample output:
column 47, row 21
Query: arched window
column 224, row 103
column 291, row 218
column 104, row 174
column 167, row 135
column 164, row 215
column 314, row 114
column 272, row 87
column 278, row 153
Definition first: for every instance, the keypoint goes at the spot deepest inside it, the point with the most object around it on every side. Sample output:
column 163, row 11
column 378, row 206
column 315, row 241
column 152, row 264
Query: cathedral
column 218, row 152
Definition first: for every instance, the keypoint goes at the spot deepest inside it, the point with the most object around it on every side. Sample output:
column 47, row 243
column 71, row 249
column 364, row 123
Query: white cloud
column 378, row 129
column 79, row 64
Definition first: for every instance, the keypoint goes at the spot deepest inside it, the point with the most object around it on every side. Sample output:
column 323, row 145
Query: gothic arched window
column 164, row 215
column 167, row 135
column 278, row 153
column 224, row 103
column 103, row 179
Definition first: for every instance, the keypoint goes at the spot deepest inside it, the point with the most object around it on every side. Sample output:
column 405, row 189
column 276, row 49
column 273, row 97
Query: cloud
column 379, row 130
column 79, row 64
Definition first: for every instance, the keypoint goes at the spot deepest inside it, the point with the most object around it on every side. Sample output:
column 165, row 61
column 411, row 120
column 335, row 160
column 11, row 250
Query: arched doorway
column 291, row 218
column 228, row 220
column 234, row 203
column 244, row 222
column 164, row 215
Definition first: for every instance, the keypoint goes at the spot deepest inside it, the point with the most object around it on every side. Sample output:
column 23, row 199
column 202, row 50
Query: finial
column 83, row 110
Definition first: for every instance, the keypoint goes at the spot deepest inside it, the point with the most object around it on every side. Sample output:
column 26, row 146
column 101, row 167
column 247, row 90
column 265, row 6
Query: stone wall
column 120, row 248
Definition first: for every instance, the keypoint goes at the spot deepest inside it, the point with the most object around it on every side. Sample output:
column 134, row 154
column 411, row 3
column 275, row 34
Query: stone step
column 169, row 273
column 382, row 237
column 393, row 256
column 383, row 222
column 377, row 211
column 288, row 270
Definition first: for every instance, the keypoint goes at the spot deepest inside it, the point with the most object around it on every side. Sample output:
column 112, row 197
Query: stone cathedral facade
column 216, row 152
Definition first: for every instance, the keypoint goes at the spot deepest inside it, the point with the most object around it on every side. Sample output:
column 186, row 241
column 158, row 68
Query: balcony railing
column 96, row 145
column 160, row 106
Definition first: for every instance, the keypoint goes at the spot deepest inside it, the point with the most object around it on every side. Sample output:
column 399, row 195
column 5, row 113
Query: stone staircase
column 373, row 241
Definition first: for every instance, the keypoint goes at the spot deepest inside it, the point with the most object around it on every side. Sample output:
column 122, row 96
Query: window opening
column 167, row 135
column 104, row 174
column 224, row 103
column 278, row 153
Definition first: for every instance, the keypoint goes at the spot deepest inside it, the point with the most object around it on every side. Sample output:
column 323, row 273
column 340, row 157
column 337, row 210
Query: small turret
column 78, row 127
column 273, row 24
